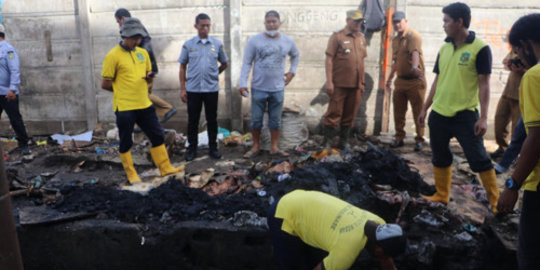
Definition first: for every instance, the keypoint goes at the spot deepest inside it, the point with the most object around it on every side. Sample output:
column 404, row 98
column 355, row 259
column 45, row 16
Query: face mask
column 530, row 57
column 272, row 33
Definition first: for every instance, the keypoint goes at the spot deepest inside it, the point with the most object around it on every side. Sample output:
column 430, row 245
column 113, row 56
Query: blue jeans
column 461, row 126
column 259, row 101
column 514, row 148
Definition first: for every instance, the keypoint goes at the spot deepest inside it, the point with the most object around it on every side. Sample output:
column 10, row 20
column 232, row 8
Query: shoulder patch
column 11, row 55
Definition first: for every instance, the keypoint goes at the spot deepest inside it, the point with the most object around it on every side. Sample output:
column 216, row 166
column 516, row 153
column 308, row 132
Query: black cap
column 398, row 16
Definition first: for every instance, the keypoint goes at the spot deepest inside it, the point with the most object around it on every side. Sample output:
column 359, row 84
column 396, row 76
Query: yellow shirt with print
column 529, row 102
column 326, row 222
column 127, row 69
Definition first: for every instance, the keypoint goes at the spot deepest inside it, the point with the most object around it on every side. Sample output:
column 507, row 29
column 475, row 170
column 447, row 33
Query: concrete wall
column 60, row 79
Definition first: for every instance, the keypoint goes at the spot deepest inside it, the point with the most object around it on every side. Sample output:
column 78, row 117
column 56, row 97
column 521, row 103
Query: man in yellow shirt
column 303, row 223
column 525, row 41
column 126, row 72
column 462, row 68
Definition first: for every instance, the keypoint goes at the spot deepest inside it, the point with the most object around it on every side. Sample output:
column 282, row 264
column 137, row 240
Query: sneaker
column 25, row 150
column 499, row 169
column 191, row 154
column 418, row 147
column 214, row 153
column 168, row 115
column 396, row 144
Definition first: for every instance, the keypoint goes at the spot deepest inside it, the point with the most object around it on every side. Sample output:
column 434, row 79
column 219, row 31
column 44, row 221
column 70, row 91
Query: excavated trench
column 178, row 227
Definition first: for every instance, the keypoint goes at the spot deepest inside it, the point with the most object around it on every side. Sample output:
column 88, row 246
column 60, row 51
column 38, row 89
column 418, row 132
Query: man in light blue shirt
column 267, row 53
column 9, row 90
column 199, row 57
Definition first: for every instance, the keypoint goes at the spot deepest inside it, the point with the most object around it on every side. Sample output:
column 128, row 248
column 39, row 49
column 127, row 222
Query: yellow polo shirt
column 126, row 69
column 529, row 103
column 326, row 222
column 457, row 86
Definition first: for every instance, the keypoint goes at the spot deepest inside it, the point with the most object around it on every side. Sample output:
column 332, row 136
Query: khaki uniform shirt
column 348, row 51
column 511, row 89
column 402, row 48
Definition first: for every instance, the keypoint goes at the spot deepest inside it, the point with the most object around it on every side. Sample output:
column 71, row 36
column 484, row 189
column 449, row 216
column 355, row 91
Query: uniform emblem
column 140, row 56
column 346, row 42
column 464, row 58
column 347, row 51
column 192, row 50
column 11, row 55
column 213, row 49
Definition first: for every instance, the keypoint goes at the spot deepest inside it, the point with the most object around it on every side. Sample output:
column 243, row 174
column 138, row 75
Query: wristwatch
column 511, row 184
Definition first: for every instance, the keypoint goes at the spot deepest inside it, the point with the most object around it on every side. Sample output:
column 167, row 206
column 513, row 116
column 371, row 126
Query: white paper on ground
column 83, row 137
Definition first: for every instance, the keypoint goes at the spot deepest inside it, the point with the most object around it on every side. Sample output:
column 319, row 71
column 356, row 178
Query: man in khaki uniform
column 508, row 106
column 410, row 85
column 345, row 82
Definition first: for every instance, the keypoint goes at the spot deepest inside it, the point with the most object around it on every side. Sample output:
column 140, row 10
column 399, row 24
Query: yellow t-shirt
column 529, row 103
column 326, row 222
column 126, row 69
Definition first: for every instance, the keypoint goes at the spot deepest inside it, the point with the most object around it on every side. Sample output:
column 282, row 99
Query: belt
column 408, row 78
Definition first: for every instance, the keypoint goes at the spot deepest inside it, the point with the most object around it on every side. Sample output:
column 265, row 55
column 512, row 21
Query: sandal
column 280, row 154
column 251, row 154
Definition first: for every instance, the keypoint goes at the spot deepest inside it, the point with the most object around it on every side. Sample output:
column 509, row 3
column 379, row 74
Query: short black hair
column 2, row 35
column 201, row 16
column 525, row 28
column 122, row 12
column 459, row 10
column 271, row 13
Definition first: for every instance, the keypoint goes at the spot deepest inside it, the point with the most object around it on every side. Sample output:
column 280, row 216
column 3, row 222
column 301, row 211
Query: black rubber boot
column 344, row 134
column 328, row 133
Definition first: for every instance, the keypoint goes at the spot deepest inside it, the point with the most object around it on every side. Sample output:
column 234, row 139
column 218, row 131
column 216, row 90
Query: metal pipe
column 10, row 254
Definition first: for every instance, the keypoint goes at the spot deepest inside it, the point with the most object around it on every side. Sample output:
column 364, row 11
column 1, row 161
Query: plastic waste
column 100, row 151
column 248, row 218
column 464, row 236
column 427, row 218
column 283, row 177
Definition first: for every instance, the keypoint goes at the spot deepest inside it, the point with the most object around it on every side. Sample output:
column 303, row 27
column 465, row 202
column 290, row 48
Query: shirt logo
column 464, row 59
column 11, row 55
column 140, row 56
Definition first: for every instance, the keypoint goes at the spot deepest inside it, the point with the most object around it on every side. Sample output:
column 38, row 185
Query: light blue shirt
column 9, row 69
column 202, row 57
column 268, row 55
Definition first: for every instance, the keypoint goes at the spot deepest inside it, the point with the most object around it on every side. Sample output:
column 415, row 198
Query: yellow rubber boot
column 489, row 181
column 161, row 159
column 127, row 162
column 443, row 181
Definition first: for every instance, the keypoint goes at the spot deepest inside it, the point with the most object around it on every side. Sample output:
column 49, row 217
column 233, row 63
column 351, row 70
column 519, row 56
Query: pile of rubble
column 375, row 179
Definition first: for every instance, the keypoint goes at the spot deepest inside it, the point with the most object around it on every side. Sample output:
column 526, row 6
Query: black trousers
column 290, row 252
column 146, row 119
column 461, row 126
column 194, row 105
column 15, row 118
column 529, row 233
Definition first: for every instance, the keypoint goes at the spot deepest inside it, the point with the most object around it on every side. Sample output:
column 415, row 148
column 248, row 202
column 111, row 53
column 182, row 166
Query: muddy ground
column 82, row 180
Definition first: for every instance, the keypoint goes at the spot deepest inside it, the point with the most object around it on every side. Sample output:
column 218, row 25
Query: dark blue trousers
column 461, row 126
column 529, row 234
column 146, row 119
column 290, row 252
column 15, row 118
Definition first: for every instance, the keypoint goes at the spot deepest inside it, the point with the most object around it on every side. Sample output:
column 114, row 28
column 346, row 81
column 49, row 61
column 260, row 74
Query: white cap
column 2, row 28
column 387, row 231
